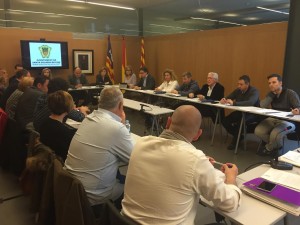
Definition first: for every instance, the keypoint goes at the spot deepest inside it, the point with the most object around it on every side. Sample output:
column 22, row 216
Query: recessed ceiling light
column 205, row 10
column 129, row 30
column 272, row 10
column 220, row 21
column 47, row 13
column 251, row 18
column 32, row 22
column 102, row 4
column 32, row 2
column 173, row 27
column 231, row 14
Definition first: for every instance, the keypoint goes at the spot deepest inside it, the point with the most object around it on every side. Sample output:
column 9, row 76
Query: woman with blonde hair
column 170, row 81
column 130, row 77
column 46, row 72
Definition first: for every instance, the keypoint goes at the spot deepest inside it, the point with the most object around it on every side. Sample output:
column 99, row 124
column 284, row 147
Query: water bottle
column 127, row 124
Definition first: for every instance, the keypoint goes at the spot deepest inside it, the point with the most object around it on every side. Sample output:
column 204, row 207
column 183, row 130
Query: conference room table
column 152, row 110
column 243, row 109
column 252, row 210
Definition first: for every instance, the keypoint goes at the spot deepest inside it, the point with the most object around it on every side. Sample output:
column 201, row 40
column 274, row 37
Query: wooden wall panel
column 255, row 50
column 11, row 52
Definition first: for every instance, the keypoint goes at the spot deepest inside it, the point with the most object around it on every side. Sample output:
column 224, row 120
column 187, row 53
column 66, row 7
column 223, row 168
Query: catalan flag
column 142, row 52
column 110, row 62
column 124, row 58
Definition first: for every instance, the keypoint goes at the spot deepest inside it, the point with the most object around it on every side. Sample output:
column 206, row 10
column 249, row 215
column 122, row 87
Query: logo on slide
column 45, row 51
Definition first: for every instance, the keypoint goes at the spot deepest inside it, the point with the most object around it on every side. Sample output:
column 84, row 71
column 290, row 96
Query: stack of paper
column 292, row 157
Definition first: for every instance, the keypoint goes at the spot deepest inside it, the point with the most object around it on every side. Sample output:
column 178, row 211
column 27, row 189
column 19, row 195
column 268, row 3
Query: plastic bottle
column 127, row 124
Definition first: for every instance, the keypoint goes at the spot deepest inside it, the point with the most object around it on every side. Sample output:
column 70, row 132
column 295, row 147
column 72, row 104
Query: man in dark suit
column 244, row 95
column 77, row 80
column 146, row 82
column 212, row 90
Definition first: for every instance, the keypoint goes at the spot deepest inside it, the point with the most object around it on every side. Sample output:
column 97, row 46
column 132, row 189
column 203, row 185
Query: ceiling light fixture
column 47, row 13
column 220, row 21
column 272, row 10
column 129, row 30
column 31, row 22
column 160, row 25
column 102, row 4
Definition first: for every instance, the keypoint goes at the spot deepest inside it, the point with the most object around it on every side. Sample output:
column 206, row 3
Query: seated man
column 77, row 80
column 212, row 90
column 27, row 102
column 244, row 95
column 272, row 130
column 99, row 145
column 167, row 174
column 188, row 85
column 42, row 111
column 146, row 82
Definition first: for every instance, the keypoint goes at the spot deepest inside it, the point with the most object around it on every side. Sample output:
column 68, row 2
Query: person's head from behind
column 275, row 82
column 212, row 78
column 25, row 83
column 244, row 83
column 46, row 72
column 41, row 83
column 186, row 121
column 60, row 102
column 77, row 72
column 22, row 73
column 186, row 77
column 111, row 99
column 128, row 71
column 103, row 71
column 169, row 75
column 143, row 72
column 57, row 84
column 18, row 67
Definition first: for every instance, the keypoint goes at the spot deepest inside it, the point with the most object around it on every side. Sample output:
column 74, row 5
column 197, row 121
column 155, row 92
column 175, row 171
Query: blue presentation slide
column 45, row 54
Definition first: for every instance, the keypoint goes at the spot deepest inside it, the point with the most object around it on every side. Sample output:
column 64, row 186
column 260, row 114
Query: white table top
column 252, row 211
column 152, row 109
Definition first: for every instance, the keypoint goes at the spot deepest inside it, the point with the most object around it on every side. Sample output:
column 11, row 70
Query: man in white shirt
column 99, row 145
column 167, row 174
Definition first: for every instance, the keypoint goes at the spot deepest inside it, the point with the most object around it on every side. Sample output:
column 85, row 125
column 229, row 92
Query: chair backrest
column 3, row 121
column 112, row 216
column 70, row 200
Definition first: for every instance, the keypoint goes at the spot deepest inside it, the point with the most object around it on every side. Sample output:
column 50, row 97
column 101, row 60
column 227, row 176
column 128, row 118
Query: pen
column 221, row 164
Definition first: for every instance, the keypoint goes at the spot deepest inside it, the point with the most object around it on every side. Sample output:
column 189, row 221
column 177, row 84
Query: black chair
column 112, row 216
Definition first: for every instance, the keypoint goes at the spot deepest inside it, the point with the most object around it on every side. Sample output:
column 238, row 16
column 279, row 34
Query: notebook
column 281, row 197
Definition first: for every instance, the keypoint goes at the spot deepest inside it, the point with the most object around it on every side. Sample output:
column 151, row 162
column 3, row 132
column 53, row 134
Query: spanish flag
column 124, row 58
column 110, row 62
column 142, row 52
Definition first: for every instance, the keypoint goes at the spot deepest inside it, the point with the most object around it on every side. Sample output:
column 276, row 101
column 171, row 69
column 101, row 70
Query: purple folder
column 279, row 192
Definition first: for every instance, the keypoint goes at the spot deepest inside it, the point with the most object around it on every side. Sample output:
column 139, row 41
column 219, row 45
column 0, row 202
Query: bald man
column 167, row 174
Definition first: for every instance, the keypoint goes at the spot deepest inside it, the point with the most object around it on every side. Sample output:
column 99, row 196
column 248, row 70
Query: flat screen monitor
column 44, row 54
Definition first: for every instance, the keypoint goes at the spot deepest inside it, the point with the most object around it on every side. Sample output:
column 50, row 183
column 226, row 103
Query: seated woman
column 54, row 132
column 130, row 77
column 46, row 72
column 102, row 78
column 170, row 81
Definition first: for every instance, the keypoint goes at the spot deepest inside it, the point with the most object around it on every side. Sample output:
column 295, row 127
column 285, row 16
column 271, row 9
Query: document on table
column 283, row 178
column 292, row 157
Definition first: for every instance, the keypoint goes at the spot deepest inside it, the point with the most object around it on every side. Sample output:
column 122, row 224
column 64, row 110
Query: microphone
column 281, row 165
column 142, row 107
